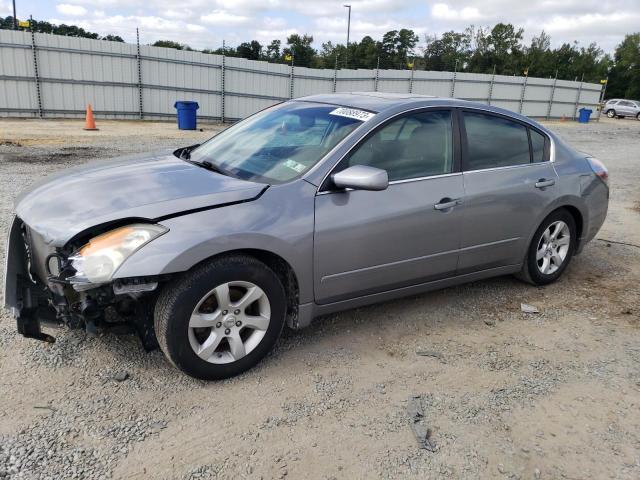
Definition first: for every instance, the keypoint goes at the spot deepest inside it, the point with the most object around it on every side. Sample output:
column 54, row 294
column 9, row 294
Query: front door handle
column 447, row 203
column 543, row 183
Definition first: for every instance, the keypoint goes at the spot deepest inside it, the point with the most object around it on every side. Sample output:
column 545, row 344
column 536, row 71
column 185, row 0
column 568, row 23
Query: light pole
column 15, row 20
column 346, row 57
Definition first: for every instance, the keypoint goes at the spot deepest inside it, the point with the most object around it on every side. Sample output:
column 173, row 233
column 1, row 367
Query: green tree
column 624, row 77
column 505, row 49
column 273, row 51
column 62, row 29
column 592, row 64
column 442, row 54
column 301, row 49
column 365, row 53
column 112, row 38
column 171, row 44
column 396, row 47
column 326, row 57
column 6, row 23
column 251, row 50
column 538, row 57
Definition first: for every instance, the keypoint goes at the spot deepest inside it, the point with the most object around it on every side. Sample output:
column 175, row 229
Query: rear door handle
column 447, row 203
column 542, row 183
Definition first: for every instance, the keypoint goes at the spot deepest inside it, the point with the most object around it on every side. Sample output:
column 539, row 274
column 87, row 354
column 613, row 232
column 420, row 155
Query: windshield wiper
column 206, row 164
column 185, row 152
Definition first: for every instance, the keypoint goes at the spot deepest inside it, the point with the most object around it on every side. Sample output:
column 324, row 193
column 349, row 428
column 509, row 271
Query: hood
column 150, row 187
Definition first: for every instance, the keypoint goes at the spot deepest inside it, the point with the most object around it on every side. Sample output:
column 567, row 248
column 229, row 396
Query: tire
column 542, row 271
column 638, row 116
column 611, row 113
column 181, row 315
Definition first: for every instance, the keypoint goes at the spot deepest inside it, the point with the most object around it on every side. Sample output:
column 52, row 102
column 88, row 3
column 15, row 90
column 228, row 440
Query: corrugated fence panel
column 309, row 81
column 247, row 76
column 161, row 102
column 356, row 80
column 238, row 107
column 394, row 81
column 437, row 84
column 16, row 59
column 589, row 96
column 17, row 99
column 534, row 109
column 73, row 72
column 471, row 86
column 17, row 89
column 172, row 75
column 507, row 92
column 251, row 86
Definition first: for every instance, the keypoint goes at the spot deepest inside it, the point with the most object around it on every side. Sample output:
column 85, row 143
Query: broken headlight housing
column 98, row 260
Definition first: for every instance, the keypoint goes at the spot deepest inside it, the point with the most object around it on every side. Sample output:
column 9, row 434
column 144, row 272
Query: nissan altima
column 312, row 206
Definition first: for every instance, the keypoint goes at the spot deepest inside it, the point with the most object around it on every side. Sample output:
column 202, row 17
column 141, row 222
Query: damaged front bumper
column 38, row 292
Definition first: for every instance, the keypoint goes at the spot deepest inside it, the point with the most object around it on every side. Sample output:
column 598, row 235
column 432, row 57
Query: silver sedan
column 309, row 207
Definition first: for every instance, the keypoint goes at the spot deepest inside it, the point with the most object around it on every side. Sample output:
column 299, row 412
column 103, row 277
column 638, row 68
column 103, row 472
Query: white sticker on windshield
column 293, row 165
column 352, row 113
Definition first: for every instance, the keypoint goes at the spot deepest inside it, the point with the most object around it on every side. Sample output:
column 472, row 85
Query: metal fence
column 44, row 75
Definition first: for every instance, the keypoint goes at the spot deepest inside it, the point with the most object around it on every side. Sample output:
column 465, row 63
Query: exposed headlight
column 98, row 260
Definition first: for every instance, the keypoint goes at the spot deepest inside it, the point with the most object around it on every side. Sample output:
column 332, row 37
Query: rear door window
column 494, row 141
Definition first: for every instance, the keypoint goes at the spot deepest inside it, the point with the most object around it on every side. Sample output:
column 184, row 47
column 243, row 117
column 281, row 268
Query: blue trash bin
column 187, row 116
column 585, row 114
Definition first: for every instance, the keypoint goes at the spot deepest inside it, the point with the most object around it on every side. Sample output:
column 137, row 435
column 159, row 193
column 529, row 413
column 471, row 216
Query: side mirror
column 361, row 177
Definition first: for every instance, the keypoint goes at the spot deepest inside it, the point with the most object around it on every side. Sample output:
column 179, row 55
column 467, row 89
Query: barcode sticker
column 354, row 113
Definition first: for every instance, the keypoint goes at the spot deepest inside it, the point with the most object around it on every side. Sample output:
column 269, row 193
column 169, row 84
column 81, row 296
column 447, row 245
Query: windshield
column 280, row 143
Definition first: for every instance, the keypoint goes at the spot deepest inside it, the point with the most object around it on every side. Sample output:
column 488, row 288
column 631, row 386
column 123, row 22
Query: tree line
column 62, row 29
column 499, row 49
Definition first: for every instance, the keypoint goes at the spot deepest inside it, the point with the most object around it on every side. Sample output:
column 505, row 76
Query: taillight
column 599, row 169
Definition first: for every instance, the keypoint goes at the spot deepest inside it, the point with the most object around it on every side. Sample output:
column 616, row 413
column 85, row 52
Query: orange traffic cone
column 90, row 123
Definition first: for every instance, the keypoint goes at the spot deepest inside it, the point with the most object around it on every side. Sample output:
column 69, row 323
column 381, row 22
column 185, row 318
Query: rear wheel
column 638, row 116
column 221, row 318
column 611, row 113
column 551, row 249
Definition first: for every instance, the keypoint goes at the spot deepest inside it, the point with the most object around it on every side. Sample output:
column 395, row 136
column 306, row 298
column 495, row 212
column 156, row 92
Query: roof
column 372, row 101
column 378, row 102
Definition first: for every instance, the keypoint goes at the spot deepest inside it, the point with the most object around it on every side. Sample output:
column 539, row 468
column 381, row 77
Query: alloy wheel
column 229, row 322
column 553, row 247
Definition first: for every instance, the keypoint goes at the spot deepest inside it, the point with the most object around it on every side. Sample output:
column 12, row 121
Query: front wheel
column 611, row 113
column 638, row 116
column 221, row 318
column 551, row 249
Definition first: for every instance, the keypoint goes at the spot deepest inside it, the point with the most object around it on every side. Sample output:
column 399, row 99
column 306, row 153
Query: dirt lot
column 506, row 394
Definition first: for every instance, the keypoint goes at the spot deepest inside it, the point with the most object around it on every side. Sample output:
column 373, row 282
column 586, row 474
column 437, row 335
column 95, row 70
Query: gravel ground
column 505, row 394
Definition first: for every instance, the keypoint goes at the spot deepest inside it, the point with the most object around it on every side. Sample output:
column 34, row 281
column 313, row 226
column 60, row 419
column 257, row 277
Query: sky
column 206, row 23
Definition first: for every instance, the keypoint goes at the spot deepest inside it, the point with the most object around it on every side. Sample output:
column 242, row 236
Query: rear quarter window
column 537, row 146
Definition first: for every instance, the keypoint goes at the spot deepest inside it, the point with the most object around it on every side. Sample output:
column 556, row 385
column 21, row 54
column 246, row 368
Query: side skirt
column 308, row 311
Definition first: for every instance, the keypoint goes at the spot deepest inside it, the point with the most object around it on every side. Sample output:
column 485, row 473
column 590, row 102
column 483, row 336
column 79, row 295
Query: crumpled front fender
column 280, row 222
